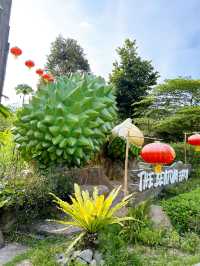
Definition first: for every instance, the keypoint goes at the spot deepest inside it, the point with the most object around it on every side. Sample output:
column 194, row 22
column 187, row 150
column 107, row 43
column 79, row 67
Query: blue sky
column 167, row 32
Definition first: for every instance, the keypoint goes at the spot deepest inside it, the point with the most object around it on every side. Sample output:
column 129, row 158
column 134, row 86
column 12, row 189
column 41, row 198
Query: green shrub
column 28, row 198
column 115, row 149
column 151, row 236
column 132, row 230
column 190, row 243
column 115, row 248
column 11, row 163
column 192, row 156
column 67, row 121
column 184, row 211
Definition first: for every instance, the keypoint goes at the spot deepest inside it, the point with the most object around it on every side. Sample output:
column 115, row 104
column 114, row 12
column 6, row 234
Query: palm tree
column 23, row 89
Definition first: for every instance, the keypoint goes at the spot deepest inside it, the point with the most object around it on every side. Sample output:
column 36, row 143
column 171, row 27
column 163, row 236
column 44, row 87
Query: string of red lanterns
column 16, row 52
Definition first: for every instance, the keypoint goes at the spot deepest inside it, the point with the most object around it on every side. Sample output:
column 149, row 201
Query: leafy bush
column 190, row 243
column 11, row 163
column 115, row 149
column 67, row 121
column 192, row 156
column 115, row 249
column 151, row 236
column 91, row 213
column 132, row 229
column 28, row 198
column 184, row 211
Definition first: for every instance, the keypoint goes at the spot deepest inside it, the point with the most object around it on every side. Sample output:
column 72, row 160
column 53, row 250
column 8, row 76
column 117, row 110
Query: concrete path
column 8, row 252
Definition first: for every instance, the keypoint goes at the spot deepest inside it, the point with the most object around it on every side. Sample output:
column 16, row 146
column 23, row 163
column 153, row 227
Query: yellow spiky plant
column 92, row 213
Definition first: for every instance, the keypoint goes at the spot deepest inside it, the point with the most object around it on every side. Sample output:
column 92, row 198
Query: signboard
column 147, row 179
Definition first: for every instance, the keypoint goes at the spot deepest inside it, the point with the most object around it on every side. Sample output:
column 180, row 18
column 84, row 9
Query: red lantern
column 48, row 78
column 158, row 154
column 51, row 79
column 39, row 71
column 195, row 141
column 29, row 64
column 16, row 51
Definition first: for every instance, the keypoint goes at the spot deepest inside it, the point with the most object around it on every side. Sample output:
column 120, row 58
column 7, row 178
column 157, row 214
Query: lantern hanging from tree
column 195, row 141
column 29, row 64
column 158, row 154
column 16, row 51
column 39, row 71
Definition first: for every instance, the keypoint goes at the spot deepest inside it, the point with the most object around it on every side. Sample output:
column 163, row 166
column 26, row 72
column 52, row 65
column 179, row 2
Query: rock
column 25, row 263
column 81, row 261
column 8, row 252
column 159, row 218
column 97, row 257
column 103, row 190
column 53, row 228
column 76, row 254
column 1, row 239
column 93, row 263
column 86, row 255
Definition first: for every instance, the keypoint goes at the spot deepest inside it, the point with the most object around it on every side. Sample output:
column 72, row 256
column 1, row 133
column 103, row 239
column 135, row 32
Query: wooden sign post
column 126, row 167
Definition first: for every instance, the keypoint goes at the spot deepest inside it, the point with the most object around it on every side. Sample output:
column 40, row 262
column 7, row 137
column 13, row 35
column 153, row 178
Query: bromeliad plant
column 92, row 213
column 67, row 121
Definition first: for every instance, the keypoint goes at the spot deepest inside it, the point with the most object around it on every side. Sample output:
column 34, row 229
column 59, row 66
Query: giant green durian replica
column 67, row 121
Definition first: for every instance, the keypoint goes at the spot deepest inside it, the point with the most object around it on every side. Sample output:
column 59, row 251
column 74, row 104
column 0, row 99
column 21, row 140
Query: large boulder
column 159, row 218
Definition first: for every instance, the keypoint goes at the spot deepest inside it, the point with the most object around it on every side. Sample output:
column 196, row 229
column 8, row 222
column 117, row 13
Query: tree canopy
column 132, row 77
column 66, row 56
column 171, row 108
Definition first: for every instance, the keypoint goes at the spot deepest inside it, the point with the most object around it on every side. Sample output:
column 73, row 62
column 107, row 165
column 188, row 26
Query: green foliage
column 132, row 77
column 92, row 213
column 115, row 249
column 151, row 237
column 174, row 93
column 190, row 243
column 141, row 220
column 184, row 211
column 192, row 155
column 186, row 119
column 4, row 111
column 115, row 149
column 11, row 164
column 28, row 197
column 171, row 109
column 66, row 57
column 67, row 121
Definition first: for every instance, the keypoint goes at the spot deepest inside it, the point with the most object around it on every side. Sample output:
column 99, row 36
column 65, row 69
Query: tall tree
column 171, row 109
column 66, row 56
column 132, row 77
